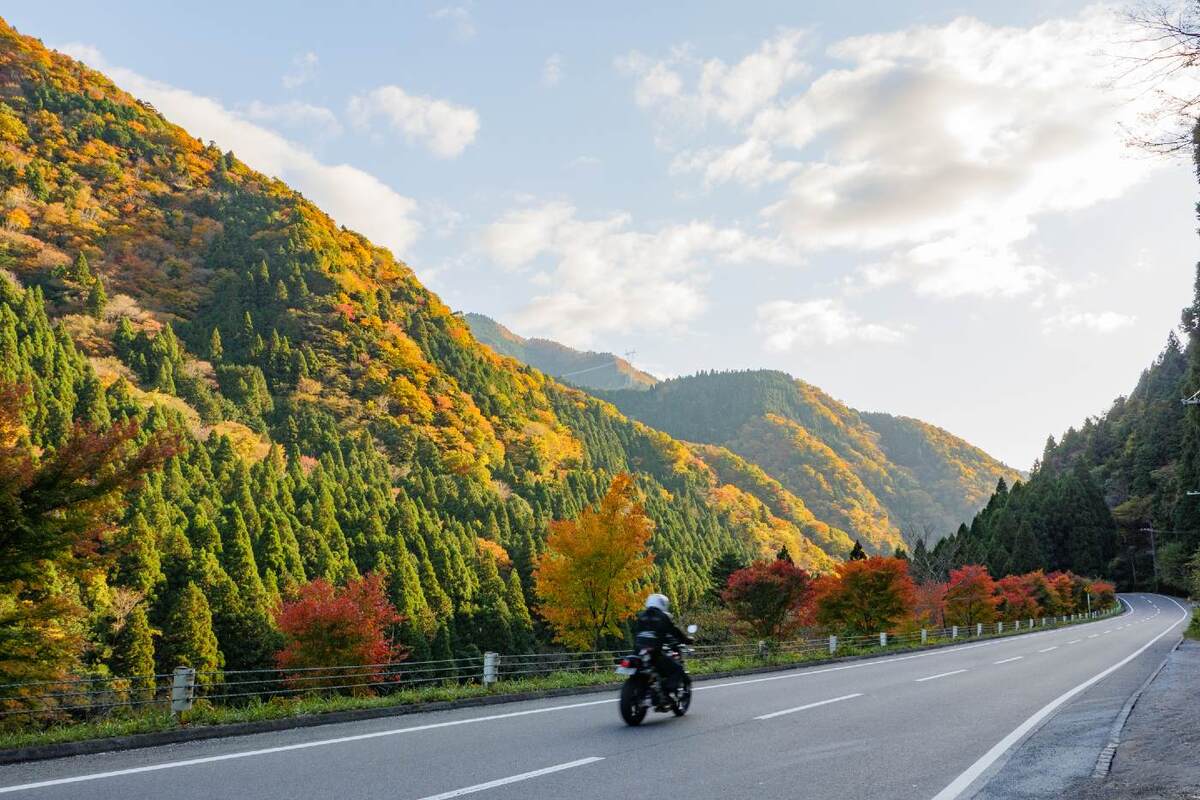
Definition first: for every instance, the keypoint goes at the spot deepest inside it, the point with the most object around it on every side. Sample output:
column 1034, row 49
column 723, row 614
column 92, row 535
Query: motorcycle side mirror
column 692, row 628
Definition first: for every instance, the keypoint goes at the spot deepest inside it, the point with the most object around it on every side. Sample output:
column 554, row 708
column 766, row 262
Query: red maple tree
column 767, row 597
column 328, row 626
column 971, row 596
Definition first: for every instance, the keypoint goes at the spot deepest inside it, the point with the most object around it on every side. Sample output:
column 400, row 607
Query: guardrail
column 92, row 697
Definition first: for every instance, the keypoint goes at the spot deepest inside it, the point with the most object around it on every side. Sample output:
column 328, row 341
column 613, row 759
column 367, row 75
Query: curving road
column 938, row 724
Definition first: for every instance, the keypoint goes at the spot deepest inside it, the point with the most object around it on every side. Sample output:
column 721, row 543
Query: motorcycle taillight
column 624, row 662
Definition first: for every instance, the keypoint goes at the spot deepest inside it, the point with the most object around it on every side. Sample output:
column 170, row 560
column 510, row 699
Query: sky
column 924, row 208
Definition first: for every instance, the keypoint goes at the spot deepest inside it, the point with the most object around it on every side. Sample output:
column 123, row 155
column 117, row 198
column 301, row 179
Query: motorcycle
column 643, row 690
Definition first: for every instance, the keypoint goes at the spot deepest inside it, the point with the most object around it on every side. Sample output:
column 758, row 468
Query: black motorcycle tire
column 632, row 710
column 683, row 699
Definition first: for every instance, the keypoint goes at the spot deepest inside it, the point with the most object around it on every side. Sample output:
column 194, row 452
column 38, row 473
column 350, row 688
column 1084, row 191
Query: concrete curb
column 1105, row 759
column 157, row 738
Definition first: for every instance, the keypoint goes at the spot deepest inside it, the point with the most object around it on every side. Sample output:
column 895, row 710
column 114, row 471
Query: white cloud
column 303, row 70
column 443, row 128
column 1094, row 321
column 605, row 276
column 463, row 25
column 295, row 114
column 353, row 197
column 727, row 92
column 933, row 151
column 552, row 71
column 785, row 324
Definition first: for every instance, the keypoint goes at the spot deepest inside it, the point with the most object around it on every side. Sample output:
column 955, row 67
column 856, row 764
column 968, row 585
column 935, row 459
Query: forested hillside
column 871, row 476
column 582, row 368
column 330, row 417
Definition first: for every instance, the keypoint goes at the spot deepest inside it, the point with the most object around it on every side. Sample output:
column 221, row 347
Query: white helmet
column 660, row 602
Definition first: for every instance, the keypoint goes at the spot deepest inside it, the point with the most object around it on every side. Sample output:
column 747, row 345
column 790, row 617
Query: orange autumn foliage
column 592, row 573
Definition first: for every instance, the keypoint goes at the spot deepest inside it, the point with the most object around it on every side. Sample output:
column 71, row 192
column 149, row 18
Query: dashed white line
column 1006, row 660
column 1048, row 649
column 524, row 776
column 810, row 705
column 939, row 675
column 1075, row 641
column 1093, row 635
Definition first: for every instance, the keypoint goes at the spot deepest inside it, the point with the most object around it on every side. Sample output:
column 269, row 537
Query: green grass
column 124, row 722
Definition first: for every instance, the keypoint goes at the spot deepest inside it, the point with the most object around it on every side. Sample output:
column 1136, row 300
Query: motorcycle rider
column 654, row 629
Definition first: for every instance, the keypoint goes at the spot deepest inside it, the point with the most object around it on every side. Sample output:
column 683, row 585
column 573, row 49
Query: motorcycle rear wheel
column 632, row 710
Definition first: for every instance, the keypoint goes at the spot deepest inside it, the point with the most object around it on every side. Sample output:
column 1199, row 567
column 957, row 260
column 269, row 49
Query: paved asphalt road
column 937, row 724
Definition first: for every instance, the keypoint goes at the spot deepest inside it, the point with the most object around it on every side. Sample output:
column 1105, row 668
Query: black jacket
column 654, row 621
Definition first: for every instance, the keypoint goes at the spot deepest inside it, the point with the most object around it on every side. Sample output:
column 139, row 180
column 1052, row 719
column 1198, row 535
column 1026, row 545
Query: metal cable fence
column 92, row 697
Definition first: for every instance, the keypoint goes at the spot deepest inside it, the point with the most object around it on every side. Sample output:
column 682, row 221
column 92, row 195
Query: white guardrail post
column 832, row 644
column 183, row 690
column 924, row 636
column 979, row 629
column 491, row 664
column 954, row 632
column 883, row 639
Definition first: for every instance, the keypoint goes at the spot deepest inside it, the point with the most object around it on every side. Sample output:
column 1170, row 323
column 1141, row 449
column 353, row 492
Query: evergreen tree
column 97, row 298
column 189, row 636
column 857, row 553
column 134, row 653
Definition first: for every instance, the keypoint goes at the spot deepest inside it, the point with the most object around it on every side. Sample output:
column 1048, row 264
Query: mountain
column 871, row 476
column 333, row 417
column 586, row 369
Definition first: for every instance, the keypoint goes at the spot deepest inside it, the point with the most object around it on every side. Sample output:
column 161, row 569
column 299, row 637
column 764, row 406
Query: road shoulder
column 1159, row 754
column 1058, row 760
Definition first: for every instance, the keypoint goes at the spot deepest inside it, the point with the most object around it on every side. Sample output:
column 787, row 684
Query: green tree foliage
column 190, row 641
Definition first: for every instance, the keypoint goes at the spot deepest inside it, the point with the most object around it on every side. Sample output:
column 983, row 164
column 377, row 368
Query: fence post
column 883, row 639
column 832, row 644
column 954, row 632
column 924, row 636
column 183, row 690
column 979, row 629
column 762, row 650
column 999, row 627
column 491, row 662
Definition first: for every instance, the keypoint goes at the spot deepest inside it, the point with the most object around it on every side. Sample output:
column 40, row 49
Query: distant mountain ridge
column 583, row 368
column 872, row 475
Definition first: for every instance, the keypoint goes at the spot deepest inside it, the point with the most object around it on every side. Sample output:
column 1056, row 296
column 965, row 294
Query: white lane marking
column 1006, row 660
column 810, row 705
column 1048, row 649
column 524, row 776
column 800, row 673
column 968, row 776
column 1075, row 641
column 939, row 675
column 287, row 747
column 1093, row 636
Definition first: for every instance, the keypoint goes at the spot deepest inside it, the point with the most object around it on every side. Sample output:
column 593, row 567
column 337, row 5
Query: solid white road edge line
column 1006, row 660
column 810, row 705
column 939, row 675
column 968, row 776
column 524, row 776
column 432, row 726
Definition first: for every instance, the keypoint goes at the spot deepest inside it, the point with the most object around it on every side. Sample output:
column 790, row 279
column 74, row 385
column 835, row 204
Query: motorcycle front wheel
column 683, row 698
column 632, row 710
